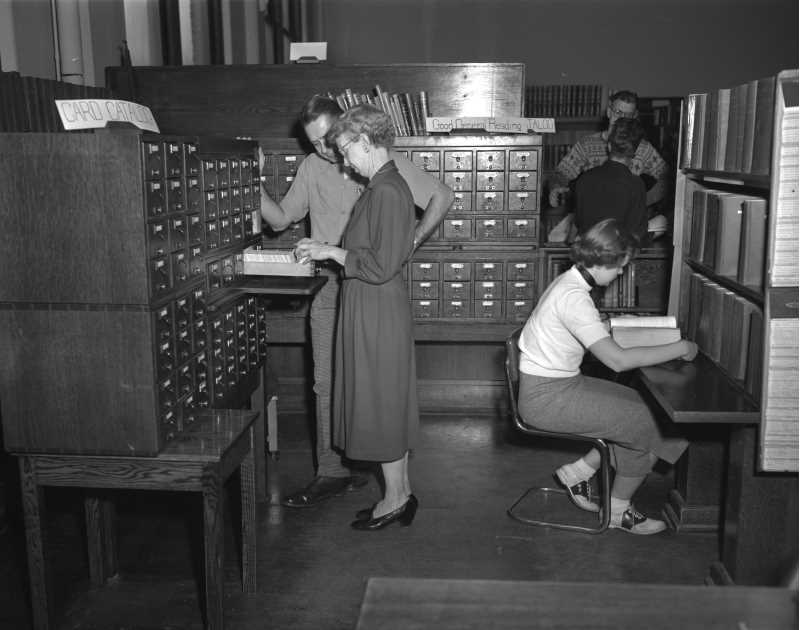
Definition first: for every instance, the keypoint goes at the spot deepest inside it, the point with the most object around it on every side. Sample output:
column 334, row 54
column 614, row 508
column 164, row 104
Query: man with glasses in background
column 326, row 191
column 592, row 150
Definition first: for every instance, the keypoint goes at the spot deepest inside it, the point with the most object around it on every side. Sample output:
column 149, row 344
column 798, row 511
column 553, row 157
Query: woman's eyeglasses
column 343, row 147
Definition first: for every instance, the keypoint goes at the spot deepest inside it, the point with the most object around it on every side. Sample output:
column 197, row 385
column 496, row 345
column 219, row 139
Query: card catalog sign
column 95, row 113
column 503, row 125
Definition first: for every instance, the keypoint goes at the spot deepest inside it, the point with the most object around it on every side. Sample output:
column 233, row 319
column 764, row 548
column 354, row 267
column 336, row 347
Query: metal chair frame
column 604, row 473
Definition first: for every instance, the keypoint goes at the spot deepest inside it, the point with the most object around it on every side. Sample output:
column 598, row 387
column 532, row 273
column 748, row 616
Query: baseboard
column 682, row 517
column 435, row 395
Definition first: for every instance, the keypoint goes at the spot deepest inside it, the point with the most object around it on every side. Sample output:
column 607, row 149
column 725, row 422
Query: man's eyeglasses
column 621, row 114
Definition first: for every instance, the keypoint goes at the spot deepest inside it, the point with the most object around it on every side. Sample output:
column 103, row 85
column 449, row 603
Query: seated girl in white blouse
column 555, row 396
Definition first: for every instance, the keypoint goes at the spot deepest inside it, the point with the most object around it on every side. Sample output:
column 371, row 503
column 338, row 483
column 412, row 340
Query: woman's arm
column 621, row 359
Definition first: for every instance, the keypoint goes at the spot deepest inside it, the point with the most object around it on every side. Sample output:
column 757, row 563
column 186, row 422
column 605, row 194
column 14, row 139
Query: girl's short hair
column 366, row 119
column 607, row 243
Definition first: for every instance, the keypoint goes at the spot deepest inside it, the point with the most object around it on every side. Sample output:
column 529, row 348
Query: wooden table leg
column 100, row 514
column 33, row 508
column 258, row 402
column 213, row 547
column 248, row 497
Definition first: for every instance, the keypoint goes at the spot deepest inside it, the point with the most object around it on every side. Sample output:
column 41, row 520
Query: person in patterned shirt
column 592, row 150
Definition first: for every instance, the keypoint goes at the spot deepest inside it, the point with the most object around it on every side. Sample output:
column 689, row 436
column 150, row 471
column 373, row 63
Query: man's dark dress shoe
column 403, row 515
column 323, row 488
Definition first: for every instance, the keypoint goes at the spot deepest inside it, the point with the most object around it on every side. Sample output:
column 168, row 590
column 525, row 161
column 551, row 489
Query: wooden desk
column 698, row 392
column 416, row 604
column 200, row 459
column 718, row 484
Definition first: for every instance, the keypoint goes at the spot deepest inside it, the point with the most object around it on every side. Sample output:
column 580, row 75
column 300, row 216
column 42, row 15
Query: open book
column 630, row 332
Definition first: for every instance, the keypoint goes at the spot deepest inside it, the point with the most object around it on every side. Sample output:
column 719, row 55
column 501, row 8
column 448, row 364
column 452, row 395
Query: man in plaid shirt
column 592, row 150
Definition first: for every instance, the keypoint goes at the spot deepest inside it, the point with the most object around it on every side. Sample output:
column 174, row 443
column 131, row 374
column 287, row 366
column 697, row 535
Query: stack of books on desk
column 275, row 262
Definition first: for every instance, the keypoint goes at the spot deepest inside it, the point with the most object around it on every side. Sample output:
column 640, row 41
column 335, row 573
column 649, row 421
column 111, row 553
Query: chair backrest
column 512, row 372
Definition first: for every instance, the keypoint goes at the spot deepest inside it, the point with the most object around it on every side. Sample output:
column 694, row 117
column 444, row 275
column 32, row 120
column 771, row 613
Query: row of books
column 730, row 129
column 28, row 103
column 621, row 293
column 728, row 235
column 407, row 111
column 567, row 101
column 728, row 329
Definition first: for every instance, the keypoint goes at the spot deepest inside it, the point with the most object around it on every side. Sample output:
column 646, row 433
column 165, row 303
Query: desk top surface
column 411, row 604
column 698, row 392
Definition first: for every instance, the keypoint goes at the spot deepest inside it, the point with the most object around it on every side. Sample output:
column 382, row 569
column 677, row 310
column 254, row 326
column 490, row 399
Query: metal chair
column 604, row 474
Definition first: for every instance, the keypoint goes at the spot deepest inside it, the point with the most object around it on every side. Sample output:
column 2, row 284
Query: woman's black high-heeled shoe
column 403, row 515
column 366, row 513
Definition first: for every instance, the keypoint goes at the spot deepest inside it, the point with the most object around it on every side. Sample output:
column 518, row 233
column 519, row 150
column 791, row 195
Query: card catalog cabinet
column 481, row 262
column 115, row 322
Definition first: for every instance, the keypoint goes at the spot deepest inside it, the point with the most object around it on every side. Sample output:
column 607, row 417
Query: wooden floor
column 313, row 568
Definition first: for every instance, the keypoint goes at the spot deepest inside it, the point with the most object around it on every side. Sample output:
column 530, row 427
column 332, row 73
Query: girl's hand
column 691, row 350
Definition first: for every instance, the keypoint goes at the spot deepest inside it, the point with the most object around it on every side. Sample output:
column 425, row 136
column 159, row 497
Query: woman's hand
column 308, row 249
column 691, row 350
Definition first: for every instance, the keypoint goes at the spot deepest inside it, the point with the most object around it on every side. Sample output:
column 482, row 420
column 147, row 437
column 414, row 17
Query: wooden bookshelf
column 731, row 186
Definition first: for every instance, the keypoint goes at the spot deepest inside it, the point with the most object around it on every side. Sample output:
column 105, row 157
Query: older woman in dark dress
column 375, row 411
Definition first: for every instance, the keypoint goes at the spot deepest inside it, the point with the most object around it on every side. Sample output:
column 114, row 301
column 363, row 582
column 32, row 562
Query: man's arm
column 655, row 166
column 428, row 191
column 434, row 213
column 272, row 213
column 294, row 206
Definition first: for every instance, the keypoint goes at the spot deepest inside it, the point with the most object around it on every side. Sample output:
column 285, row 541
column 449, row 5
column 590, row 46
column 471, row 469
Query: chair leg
column 604, row 515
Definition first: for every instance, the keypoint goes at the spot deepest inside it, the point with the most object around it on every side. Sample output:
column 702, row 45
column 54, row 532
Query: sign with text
column 491, row 124
column 96, row 113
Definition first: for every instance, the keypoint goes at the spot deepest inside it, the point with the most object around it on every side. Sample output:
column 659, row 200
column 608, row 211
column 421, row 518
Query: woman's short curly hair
column 607, row 243
column 366, row 119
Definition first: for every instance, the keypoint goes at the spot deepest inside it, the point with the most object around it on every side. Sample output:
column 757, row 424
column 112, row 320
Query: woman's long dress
column 376, row 415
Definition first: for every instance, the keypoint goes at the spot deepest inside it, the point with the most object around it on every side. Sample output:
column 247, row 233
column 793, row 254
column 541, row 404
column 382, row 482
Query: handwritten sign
column 95, row 113
column 490, row 124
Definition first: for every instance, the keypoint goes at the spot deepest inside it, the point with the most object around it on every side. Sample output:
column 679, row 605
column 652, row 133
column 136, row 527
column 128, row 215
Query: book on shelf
column 755, row 356
column 711, row 228
column 729, row 230
column 688, row 133
column 721, row 133
column 784, row 271
column 698, row 224
column 699, row 130
column 762, row 131
column 734, row 143
column 637, row 331
column 752, row 244
column 749, row 126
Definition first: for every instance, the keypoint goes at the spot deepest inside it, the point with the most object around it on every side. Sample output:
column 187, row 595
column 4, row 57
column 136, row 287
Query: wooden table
column 199, row 459
column 416, row 604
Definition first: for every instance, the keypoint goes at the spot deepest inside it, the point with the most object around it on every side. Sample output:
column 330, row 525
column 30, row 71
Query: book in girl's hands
column 630, row 332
